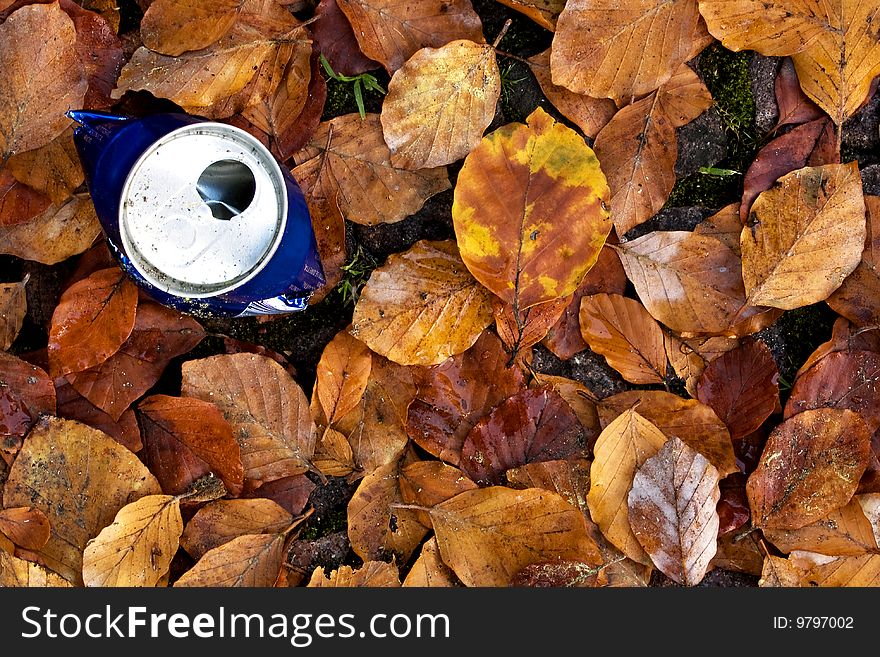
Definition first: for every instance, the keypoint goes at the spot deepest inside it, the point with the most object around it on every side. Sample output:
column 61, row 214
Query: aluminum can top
column 203, row 210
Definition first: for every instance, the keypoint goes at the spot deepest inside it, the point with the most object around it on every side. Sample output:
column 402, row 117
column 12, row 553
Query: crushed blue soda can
column 199, row 214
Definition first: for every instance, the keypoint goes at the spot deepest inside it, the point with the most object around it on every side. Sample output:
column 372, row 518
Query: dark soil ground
column 727, row 136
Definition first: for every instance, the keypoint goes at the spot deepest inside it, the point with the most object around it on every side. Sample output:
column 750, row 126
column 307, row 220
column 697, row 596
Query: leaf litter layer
column 533, row 364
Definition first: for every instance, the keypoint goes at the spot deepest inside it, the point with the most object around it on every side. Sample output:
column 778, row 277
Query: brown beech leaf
column 391, row 32
column 638, row 147
column 333, row 456
column 772, row 28
column 843, row 532
column 171, row 27
column 578, row 397
column 742, row 387
column 375, row 428
column 843, row 379
column 564, row 338
column 342, row 374
column 427, row 483
column 328, row 225
column 370, row 575
column 454, row 395
column 185, row 439
column 159, row 334
column 688, row 282
column 588, row 114
column 520, row 331
column 540, row 230
column 57, row 233
column 137, row 548
column 860, row 571
column 725, row 226
column 207, row 78
column 798, row 148
column 251, row 560
column 73, row 406
column 622, row 447
column 30, row 384
column 376, row 527
column 671, row 509
column 98, row 47
column 26, row 526
column 43, row 77
column 220, row 521
column 291, row 493
column 347, row 162
column 84, row 478
column 13, row 308
column 544, row 12
column 19, row 203
column 93, row 319
column 741, row 554
column 53, row 169
column 808, row 236
column 268, row 411
column 429, row 569
column 793, row 105
column 572, row 574
column 439, row 103
column 335, row 39
column 857, row 297
column 690, row 356
column 593, row 49
column 486, row 536
column 421, row 306
column 533, row 425
column 810, row 466
column 18, row 573
column 568, row 477
column 779, row 572
column 844, row 337
column 621, row 330
column 688, row 419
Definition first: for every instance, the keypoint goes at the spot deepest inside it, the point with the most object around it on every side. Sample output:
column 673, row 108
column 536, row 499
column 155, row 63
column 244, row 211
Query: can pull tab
column 227, row 187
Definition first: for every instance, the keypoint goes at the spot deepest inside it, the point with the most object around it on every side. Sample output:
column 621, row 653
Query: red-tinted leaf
column 794, row 105
column 335, row 39
column 27, row 527
column 185, row 439
column 99, row 50
column 73, row 406
column 733, row 506
column 529, row 326
column 29, row 383
column 533, row 425
column 741, row 386
column 453, row 396
column 18, row 202
column 292, row 493
column 297, row 132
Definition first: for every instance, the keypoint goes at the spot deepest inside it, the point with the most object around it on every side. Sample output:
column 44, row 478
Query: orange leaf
column 19, row 204
column 342, row 374
column 53, row 169
column 221, row 521
column 371, row 574
column 13, row 308
column 25, row 526
column 251, row 560
column 172, row 27
column 857, row 297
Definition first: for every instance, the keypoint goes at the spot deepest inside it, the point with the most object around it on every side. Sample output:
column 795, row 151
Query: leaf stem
column 501, row 34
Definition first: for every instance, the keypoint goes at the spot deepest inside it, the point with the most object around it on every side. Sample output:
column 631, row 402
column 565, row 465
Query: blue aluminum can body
column 143, row 175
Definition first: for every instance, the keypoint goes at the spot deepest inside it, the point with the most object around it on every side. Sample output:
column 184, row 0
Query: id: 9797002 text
column 813, row 623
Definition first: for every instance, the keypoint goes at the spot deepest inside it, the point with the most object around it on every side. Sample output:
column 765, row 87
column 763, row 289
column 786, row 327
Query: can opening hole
column 228, row 188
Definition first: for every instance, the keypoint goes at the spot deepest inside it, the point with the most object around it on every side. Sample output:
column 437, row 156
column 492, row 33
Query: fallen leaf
column 291, row 493
column 810, row 466
column 185, row 439
column 55, row 234
column 172, row 27
column 421, row 306
column 81, row 486
column 98, row 47
column 290, row 131
column 843, row 532
column 137, row 548
column 542, row 227
column 454, row 395
column 671, row 509
column 690, row 356
column 621, row 330
column 346, row 162
column 429, row 569
column 220, row 521
column 26, row 526
column 486, row 536
column 793, row 106
column 740, row 553
column 13, row 308
column 532, row 425
column 268, row 411
column 725, row 226
column 520, row 331
column 588, row 114
column 733, row 506
column 569, row 477
column 808, row 236
column 578, row 397
column 742, row 387
column 771, row 28
column 73, row 406
column 328, row 225
column 53, row 169
column 93, row 319
column 779, row 572
column 107, row 9
column 689, row 282
column 856, row 298
column 18, row 573
column 593, row 51
column 688, row 419
column 428, row 483
column 547, row 574
column 638, row 147
column 564, row 338
column 19, row 203
column 370, row 575
column 30, row 384
column 439, row 103
column 333, row 456
column 342, row 374
column 844, row 337
column 252, row 560
column 376, row 527
column 622, row 447
column 159, row 334
column 335, row 39
column 861, row 571
column 391, row 32
column 44, row 77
